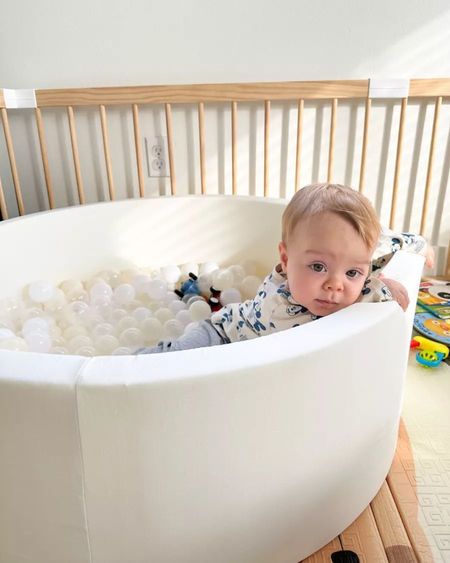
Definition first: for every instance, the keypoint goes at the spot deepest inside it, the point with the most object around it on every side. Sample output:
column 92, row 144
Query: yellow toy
column 431, row 353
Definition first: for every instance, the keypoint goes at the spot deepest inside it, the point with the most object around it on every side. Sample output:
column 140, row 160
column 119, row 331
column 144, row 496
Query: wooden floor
column 388, row 530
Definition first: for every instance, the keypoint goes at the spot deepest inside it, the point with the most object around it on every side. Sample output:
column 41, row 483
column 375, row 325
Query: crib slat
column 12, row 161
column 447, row 267
column 234, row 146
column 201, row 132
column 266, row 146
column 298, row 155
column 105, row 136
column 398, row 160
column 437, row 108
column 362, row 171
column 76, row 154
column 44, row 154
column 3, row 208
column 169, row 128
column 137, row 144
column 331, row 147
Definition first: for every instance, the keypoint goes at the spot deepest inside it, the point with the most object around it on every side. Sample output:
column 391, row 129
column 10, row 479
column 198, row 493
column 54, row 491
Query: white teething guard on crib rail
column 388, row 88
column 19, row 98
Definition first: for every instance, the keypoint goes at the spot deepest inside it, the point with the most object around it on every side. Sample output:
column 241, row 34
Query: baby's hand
column 397, row 290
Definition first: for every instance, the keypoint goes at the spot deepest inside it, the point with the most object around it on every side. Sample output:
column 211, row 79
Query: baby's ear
column 283, row 255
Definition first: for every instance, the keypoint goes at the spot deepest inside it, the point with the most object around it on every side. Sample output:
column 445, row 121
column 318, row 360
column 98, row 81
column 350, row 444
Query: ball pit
column 256, row 451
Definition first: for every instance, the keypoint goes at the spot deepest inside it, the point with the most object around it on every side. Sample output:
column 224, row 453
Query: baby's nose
column 334, row 283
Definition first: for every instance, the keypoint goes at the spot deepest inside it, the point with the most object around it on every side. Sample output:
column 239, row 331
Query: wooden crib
column 396, row 132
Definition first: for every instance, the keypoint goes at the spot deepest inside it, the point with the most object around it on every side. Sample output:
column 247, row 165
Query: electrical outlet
column 157, row 155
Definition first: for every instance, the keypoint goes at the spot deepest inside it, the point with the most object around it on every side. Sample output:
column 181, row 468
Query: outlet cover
column 157, row 156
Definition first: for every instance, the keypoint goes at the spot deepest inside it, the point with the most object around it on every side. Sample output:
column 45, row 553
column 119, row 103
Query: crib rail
column 329, row 92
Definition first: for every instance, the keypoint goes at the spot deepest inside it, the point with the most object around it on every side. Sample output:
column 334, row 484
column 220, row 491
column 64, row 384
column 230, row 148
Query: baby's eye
column 317, row 267
column 353, row 273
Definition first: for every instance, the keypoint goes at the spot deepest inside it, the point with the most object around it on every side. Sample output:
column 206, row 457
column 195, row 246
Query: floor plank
column 363, row 538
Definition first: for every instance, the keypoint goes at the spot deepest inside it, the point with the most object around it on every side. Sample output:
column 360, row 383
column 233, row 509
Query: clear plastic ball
column 126, row 322
column 79, row 341
column 250, row 286
column 231, row 295
column 57, row 302
column 41, row 291
column 74, row 330
column 71, row 285
column 171, row 274
column 124, row 293
column 118, row 314
column 200, row 310
column 111, row 277
column 128, row 275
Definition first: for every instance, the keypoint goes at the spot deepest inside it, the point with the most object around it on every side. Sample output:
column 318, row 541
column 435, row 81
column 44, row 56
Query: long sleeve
column 390, row 241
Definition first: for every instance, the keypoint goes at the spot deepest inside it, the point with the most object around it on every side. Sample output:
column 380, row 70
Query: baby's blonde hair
column 346, row 202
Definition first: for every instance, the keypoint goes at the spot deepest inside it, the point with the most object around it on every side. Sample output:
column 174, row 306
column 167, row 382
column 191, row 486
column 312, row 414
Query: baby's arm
column 378, row 288
column 389, row 242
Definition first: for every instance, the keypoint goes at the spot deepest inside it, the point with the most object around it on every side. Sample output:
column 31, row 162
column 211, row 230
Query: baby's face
column 326, row 262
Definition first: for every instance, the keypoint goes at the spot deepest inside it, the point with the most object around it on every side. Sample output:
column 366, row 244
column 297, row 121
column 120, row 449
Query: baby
column 329, row 236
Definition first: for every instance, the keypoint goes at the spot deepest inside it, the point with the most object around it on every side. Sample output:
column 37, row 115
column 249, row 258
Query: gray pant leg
column 201, row 336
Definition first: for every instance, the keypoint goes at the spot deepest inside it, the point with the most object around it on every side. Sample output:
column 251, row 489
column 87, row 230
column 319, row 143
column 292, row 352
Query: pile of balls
column 117, row 312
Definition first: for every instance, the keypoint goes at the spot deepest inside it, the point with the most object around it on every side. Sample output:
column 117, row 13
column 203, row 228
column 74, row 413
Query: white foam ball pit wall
column 254, row 452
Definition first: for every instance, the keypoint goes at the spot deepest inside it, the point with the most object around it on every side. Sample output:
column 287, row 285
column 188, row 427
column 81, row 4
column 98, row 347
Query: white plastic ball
column 71, row 286
column 79, row 341
column 85, row 351
column 100, row 290
column 111, row 277
column 126, row 322
column 102, row 329
column 131, row 337
column 152, row 329
column 74, row 330
column 128, row 275
column 238, row 274
column 173, row 328
column 78, row 308
column 184, row 317
column 118, row 314
column 222, row 279
column 121, row 351
column 139, row 282
column 231, row 295
column 177, row 306
column 141, row 313
column 163, row 314
column 6, row 333
column 57, row 302
column 61, row 350
column 200, row 310
column 171, row 273
column 208, row 267
column 41, row 291
column 170, row 297
column 38, row 341
column 204, row 283
column 15, row 345
column 250, row 286
column 124, row 293
column 35, row 324
column 106, row 343
column 156, row 289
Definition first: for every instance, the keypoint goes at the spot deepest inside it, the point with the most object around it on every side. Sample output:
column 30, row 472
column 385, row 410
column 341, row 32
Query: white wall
column 113, row 42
